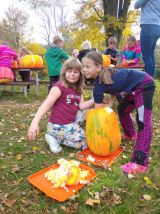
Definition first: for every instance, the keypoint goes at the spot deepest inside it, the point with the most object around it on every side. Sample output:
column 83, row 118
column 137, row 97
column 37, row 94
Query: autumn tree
column 112, row 17
column 53, row 20
column 14, row 25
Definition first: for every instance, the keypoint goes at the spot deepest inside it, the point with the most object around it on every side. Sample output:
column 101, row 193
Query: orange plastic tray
column 102, row 161
column 60, row 194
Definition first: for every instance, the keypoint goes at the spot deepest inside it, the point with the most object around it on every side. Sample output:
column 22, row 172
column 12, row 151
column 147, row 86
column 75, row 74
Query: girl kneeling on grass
column 65, row 99
column 134, row 90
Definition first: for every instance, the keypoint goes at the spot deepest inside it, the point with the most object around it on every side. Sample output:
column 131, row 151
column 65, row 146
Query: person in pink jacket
column 7, row 55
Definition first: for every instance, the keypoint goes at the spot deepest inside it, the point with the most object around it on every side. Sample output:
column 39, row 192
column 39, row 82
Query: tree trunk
column 116, row 10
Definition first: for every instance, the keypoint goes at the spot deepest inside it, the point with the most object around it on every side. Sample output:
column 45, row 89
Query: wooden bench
column 19, row 84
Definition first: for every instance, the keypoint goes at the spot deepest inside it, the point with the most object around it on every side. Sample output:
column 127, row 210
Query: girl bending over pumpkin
column 65, row 99
column 134, row 90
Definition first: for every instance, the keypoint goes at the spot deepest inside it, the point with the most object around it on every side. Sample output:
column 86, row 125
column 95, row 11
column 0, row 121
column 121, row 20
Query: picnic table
column 37, row 70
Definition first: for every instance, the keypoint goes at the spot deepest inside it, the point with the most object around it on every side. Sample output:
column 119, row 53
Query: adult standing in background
column 150, row 31
column 54, row 58
column 86, row 47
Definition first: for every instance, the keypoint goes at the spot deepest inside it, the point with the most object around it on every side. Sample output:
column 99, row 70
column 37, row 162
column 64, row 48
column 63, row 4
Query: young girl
column 25, row 75
column 135, row 90
column 131, row 54
column 75, row 53
column 7, row 55
column 65, row 99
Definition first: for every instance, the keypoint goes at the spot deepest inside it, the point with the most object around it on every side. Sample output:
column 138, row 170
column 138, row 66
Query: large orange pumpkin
column 102, row 131
column 106, row 60
column 27, row 61
column 74, row 176
column 38, row 61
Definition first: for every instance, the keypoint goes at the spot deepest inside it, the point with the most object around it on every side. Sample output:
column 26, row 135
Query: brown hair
column 57, row 39
column 73, row 63
column 106, row 73
column 132, row 39
column 112, row 40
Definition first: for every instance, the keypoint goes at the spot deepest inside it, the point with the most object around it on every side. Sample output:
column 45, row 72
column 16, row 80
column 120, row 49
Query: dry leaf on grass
column 71, row 155
column 18, row 156
column 15, row 168
column 91, row 201
column 116, row 199
column 10, row 202
column 130, row 176
column 147, row 197
column 35, row 148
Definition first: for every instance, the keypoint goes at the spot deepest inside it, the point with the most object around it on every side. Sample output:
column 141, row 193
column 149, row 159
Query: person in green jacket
column 54, row 58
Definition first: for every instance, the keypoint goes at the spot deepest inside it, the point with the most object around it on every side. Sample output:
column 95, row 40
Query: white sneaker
column 53, row 143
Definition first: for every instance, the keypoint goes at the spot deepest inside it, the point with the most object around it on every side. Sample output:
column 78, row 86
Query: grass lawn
column 112, row 191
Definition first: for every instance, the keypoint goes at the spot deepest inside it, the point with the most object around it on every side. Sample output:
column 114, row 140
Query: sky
column 34, row 20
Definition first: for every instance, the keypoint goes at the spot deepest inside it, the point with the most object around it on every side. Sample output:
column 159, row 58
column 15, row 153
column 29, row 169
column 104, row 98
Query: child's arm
column 106, row 102
column 33, row 130
column 85, row 104
column 114, row 59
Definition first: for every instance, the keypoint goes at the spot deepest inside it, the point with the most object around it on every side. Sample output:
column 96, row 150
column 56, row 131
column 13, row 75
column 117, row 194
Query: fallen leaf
column 63, row 208
column 124, row 156
column 130, row 176
column 35, row 148
column 116, row 199
column 149, row 182
column 55, row 211
column 97, row 196
column 18, row 156
column 71, row 155
column 10, row 202
column 21, row 139
column 15, row 168
column 2, row 155
column 147, row 197
column 91, row 201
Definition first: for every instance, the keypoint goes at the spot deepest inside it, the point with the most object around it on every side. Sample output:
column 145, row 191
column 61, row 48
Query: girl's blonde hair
column 73, row 63
column 105, row 74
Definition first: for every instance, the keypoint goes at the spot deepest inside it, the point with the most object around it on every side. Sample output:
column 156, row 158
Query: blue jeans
column 150, row 33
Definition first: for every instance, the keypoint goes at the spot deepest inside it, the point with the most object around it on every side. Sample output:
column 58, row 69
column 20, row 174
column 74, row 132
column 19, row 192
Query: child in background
column 75, row 53
column 136, row 90
column 131, row 54
column 54, row 58
column 7, row 56
column 25, row 75
column 111, row 51
column 86, row 47
column 65, row 99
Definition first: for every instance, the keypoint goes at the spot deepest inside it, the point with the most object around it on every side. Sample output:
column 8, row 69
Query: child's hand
column 33, row 132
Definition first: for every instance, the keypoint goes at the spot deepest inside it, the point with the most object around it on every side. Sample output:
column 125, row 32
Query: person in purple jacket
column 135, row 89
column 65, row 99
column 131, row 53
column 7, row 56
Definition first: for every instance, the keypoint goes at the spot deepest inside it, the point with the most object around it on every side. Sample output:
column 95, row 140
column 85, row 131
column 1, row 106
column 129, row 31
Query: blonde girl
column 65, row 99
